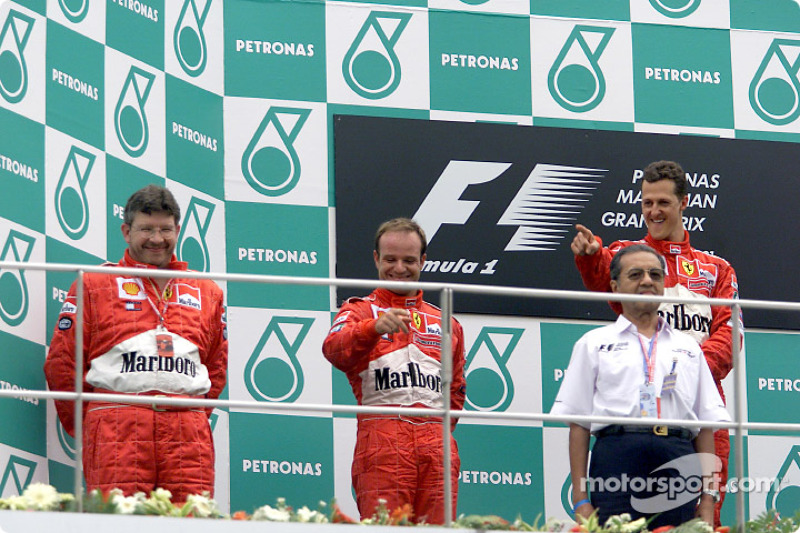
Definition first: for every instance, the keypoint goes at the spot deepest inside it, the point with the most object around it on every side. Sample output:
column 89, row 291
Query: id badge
column 164, row 344
column 647, row 401
column 670, row 380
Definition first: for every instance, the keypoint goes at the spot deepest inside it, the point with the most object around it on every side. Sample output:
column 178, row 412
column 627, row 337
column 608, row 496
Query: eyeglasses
column 148, row 231
column 637, row 274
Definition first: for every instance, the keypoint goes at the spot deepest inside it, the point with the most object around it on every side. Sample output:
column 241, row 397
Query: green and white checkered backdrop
column 230, row 104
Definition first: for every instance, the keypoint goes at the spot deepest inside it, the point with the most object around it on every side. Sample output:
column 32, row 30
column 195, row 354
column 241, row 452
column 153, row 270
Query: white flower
column 161, row 494
column 304, row 514
column 634, row 526
column 705, row 526
column 202, row 505
column 274, row 515
column 41, row 497
column 555, row 525
column 17, row 503
column 125, row 504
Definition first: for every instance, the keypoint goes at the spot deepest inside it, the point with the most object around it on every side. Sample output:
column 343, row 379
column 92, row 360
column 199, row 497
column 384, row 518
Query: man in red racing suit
column 690, row 273
column 144, row 336
column 389, row 346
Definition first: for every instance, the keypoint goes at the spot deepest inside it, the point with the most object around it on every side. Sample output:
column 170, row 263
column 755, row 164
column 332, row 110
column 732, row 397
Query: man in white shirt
column 640, row 367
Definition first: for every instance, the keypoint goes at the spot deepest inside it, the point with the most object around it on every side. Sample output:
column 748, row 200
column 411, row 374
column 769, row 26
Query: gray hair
column 615, row 269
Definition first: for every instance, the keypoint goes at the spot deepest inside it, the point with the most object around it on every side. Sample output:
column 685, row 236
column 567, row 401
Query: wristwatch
column 713, row 493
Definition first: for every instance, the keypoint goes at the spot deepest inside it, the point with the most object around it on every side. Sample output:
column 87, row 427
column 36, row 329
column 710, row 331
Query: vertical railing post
column 739, row 389
column 80, row 301
column 447, row 379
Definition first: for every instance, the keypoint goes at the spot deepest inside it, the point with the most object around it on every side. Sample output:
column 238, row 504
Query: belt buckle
column 661, row 431
column 156, row 407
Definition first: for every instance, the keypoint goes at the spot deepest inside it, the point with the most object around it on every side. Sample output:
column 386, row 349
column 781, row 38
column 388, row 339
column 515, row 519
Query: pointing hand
column 584, row 242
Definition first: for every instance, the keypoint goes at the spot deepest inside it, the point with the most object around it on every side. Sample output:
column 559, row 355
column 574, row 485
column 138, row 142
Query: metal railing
column 446, row 303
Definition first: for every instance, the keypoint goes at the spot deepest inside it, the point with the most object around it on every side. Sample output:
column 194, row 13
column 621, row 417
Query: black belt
column 660, row 431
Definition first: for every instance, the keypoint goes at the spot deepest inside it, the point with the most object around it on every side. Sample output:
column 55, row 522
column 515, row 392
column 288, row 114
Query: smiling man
column 641, row 367
column 389, row 346
column 144, row 335
column 690, row 273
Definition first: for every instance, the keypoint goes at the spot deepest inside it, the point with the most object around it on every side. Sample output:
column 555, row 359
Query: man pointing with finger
column 690, row 274
column 389, row 345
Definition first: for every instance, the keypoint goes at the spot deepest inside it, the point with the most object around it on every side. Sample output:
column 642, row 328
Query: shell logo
column 130, row 288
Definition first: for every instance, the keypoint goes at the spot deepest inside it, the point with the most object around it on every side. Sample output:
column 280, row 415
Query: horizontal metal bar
column 521, row 292
column 385, row 410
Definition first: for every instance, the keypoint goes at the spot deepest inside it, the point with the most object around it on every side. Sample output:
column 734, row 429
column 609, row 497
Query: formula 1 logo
column 74, row 10
column 72, row 206
column 489, row 383
column 544, row 208
column 371, row 67
column 130, row 120
column 192, row 247
column 675, row 9
column 14, row 299
column 775, row 88
column 273, row 372
column 188, row 40
column 17, row 476
column 270, row 163
column 575, row 80
column 13, row 68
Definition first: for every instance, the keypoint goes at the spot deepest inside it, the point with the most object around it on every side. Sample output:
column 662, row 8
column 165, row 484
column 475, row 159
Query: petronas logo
column 13, row 68
column 775, row 88
column 273, row 372
column 74, row 10
column 371, row 67
column 130, row 120
column 783, row 497
column 575, row 80
column 270, row 163
column 67, row 443
column 489, row 383
column 189, row 40
column 192, row 246
column 17, row 476
column 675, row 9
column 566, row 495
column 13, row 286
column 72, row 206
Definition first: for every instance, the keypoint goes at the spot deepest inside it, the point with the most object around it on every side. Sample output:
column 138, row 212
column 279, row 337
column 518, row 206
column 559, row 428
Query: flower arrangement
column 42, row 497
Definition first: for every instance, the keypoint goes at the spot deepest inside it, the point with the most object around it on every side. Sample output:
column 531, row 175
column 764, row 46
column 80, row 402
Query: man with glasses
column 143, row 335
column 641, row 367
column 690, row 273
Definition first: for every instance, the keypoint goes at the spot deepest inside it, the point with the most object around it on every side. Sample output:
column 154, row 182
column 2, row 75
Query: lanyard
column 167, row 290
column 649, row 356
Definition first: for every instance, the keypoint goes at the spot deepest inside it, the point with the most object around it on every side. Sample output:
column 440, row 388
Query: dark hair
column 668, row 170
column 152, row 199
column 615, row 269
column 401, row 224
